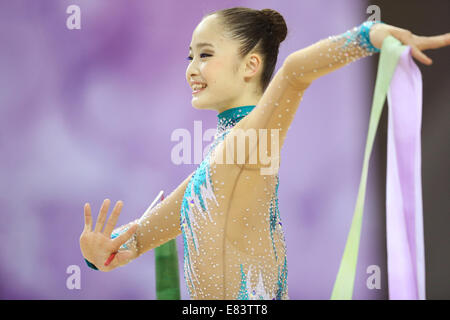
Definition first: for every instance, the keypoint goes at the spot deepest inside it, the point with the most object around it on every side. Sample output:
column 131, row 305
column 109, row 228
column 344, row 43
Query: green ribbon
column 389, row 56
column 166, row 268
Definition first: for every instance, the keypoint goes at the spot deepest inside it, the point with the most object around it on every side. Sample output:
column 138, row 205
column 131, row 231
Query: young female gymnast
column 227, row 209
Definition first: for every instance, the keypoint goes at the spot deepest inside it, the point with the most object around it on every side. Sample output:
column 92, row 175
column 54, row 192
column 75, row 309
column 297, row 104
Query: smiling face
column 230, row 81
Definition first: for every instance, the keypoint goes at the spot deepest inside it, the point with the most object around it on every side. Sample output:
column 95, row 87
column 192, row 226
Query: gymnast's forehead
column 209, row 33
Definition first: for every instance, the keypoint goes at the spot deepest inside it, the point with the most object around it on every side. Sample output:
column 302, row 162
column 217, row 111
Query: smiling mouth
column 198, row 90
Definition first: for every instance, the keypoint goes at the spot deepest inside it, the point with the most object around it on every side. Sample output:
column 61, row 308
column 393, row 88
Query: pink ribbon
column 404, row 214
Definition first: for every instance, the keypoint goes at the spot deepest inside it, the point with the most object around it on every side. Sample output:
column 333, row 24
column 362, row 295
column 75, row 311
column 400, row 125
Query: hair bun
column 278, row 23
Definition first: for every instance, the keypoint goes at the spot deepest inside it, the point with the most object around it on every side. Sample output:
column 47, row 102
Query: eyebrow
column 202, row 44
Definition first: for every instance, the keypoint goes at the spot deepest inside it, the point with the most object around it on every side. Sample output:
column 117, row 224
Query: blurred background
column 87, row 114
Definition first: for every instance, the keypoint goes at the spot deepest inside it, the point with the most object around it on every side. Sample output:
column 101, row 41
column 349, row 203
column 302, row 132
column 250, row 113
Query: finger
column 102, row 216
column 111, row 257
column 420, row 56
column 113, row 219
column 434, row 42
column 120, row 240
column 87, row 217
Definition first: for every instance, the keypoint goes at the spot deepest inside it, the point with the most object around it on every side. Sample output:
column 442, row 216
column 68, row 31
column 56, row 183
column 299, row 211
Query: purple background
column 88, row 114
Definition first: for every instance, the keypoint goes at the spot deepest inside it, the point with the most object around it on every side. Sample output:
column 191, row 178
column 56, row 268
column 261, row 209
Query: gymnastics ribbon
column 403, row 185
column 404, row 215
column 166, row 271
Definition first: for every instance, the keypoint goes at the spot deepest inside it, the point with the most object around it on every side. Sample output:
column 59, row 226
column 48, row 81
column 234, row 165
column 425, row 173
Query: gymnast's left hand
column 379, row 31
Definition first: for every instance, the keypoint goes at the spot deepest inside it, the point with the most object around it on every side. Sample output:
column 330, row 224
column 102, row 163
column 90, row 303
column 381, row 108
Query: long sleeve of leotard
column 279, row 103
column 156, row 227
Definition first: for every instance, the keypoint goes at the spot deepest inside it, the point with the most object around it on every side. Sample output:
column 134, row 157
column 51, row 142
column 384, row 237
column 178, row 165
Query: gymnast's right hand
column 96, row 246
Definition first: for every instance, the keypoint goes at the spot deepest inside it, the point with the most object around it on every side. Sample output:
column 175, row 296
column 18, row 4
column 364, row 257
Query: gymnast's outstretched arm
column 131, row 240
column 279, row 103
column 277, row 107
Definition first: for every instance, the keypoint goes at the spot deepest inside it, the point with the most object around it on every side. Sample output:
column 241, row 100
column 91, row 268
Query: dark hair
column 262, row 30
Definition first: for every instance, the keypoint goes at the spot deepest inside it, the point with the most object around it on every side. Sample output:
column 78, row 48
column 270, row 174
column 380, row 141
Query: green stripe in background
column 166, row 265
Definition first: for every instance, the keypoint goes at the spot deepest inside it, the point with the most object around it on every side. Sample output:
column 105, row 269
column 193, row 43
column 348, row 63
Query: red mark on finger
column 111, row 257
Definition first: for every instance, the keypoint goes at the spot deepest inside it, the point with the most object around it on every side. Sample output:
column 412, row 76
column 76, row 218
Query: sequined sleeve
column 162, row 223
column 156, row 227
column 278, row 105
column 327, row 55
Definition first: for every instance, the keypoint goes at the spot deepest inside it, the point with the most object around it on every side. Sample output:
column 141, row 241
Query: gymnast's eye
column 203, row 54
